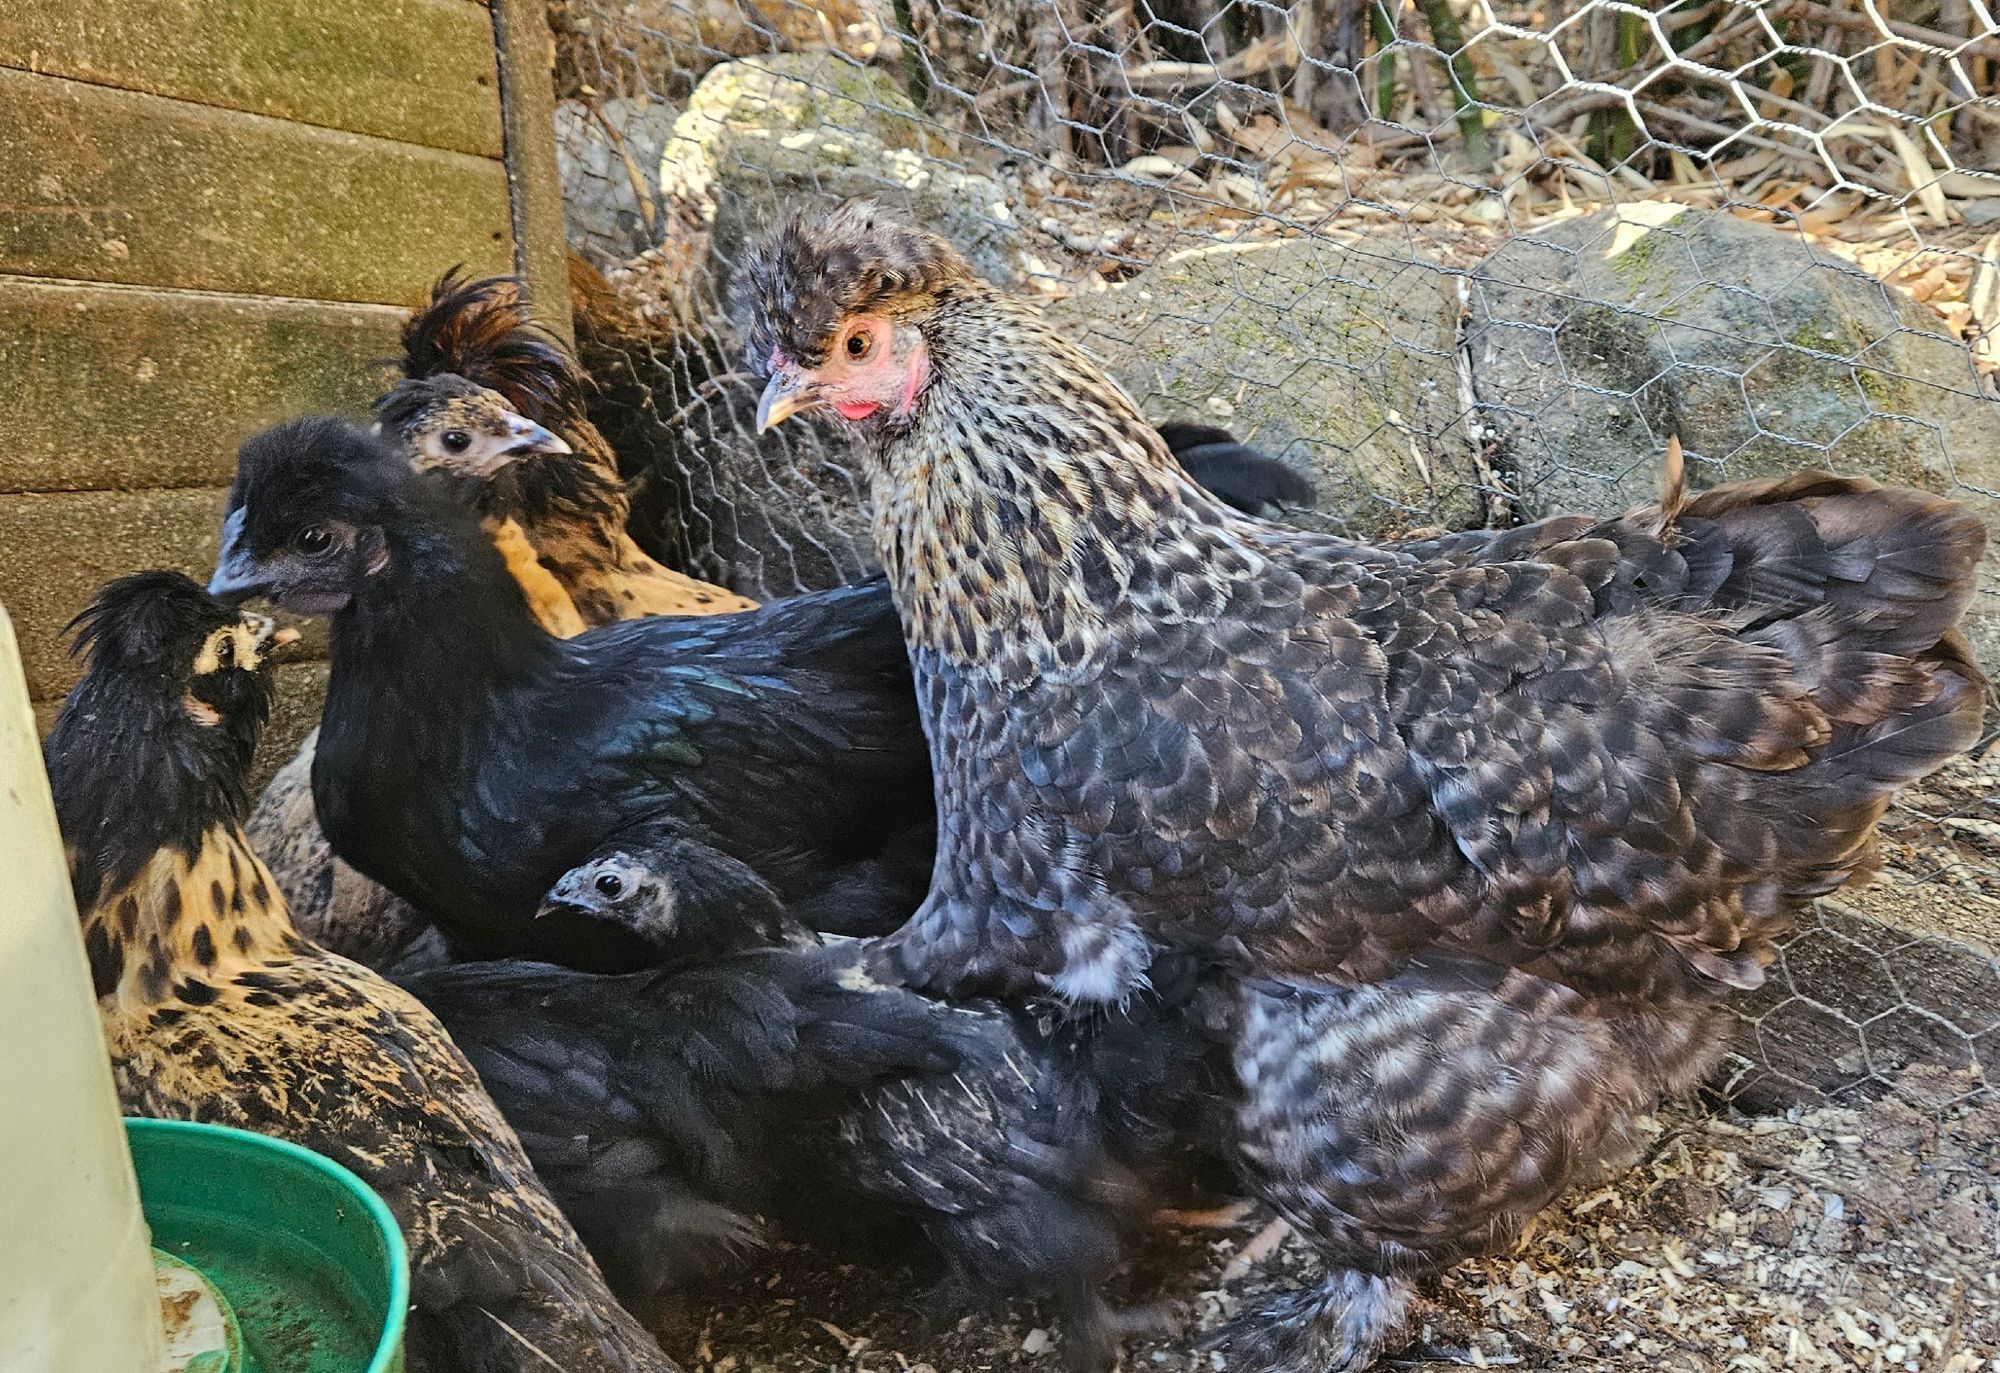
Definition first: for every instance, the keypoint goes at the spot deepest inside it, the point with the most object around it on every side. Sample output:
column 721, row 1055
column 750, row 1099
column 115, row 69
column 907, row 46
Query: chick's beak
column 789, row 391
column 237, row 576
column 525, row 437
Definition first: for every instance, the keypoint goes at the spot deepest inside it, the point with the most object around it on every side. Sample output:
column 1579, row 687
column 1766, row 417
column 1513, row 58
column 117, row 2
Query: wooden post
column 534, row 185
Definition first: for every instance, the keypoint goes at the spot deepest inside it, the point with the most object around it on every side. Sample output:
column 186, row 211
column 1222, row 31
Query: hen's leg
column 1405, row 1126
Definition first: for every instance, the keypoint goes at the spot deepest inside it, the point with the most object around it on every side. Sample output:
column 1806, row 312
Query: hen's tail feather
column 1858, row 588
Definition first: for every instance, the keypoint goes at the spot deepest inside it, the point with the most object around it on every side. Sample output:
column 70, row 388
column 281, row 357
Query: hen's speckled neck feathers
column 1023, row 566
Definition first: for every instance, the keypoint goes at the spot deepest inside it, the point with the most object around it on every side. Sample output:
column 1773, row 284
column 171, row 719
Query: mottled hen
column 215, row 1009
column 467, row 759
column 1487, row 823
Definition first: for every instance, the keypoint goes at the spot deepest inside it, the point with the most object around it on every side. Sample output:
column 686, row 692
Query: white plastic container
column 76, row 1268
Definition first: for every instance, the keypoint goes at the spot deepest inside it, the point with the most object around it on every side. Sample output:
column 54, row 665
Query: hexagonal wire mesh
column 1459, row 262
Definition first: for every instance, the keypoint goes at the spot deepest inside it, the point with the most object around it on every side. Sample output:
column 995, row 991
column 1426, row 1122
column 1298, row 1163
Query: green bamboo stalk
column 1384, row 29
column 1450, row 38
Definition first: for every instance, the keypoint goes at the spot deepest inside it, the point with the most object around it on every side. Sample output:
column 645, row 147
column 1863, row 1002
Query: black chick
column 467, row 759
column 216, row 1010
column 788, row 1081
column 1234, row 472
column 685, row 901
column 658, row 1106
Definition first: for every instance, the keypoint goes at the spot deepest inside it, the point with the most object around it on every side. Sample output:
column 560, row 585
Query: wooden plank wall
column 213, row 215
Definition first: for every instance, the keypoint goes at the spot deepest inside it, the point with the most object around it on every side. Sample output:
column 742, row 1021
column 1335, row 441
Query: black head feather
column 797, row 286
column 480, row 329
column 154, row 744
column 315, row 508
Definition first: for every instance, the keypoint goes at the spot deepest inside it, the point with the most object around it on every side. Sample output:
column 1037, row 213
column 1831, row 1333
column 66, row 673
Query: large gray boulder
column 1337, row 362
column 767, row 136
column 1594, row 340
column 608, row 157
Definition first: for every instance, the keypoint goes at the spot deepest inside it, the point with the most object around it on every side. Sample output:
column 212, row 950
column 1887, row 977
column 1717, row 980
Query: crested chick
column 215, row 1009
column 1485, row 824
column 477, row 344
column 467, row 759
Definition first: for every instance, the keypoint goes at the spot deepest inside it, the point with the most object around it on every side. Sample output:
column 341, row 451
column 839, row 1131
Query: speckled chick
column 1486, row 823
column 215, row 1009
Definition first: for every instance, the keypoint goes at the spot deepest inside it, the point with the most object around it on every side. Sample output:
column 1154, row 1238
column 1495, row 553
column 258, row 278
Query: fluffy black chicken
column 477, row 376
column 671, row 1107
column 1487, row 822
column 660, row 1107
column 467, row 759
column 1235, row 473
column 216, row 1010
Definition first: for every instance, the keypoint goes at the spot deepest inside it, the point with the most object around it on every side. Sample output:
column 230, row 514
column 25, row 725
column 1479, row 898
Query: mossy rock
column 1333, row 360
column 1594, row 340
column 768, row 136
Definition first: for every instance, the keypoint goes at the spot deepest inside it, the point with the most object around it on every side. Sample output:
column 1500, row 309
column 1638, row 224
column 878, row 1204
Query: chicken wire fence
column 1458, row 262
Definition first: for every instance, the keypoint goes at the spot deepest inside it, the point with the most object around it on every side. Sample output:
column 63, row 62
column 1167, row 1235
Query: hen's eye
column 225, row 650
column 313, row 538
column 859, row 345
column 456, row 440
column 610, row 884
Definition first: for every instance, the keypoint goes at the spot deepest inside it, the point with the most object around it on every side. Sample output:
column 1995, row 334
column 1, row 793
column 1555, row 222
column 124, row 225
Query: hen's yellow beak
column 787, row 392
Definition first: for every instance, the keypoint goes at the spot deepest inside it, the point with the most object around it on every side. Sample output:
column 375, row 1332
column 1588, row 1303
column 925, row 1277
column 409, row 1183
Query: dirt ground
column 1831, row 1238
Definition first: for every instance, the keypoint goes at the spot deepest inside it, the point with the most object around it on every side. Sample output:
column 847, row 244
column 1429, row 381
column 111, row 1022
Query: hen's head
column 834, row 307
column 448, row 424
column 162, row 649
column 308, row 513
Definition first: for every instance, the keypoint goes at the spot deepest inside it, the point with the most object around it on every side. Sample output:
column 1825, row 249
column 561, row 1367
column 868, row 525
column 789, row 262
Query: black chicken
column 665, row 1108
column 467, row 759
column 1234, row 472
column 659, row 1107
column 216, row 1010
column 1487, row 822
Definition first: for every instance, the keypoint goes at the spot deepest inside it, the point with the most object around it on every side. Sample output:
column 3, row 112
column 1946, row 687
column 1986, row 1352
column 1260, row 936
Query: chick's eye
column 456, row 440
column 610, row 884
column 225, row 650
column 859, row 345
column 314, row 538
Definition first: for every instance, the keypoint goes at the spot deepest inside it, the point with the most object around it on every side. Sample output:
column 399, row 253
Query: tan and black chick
column 216, row 1009
column 477, row 343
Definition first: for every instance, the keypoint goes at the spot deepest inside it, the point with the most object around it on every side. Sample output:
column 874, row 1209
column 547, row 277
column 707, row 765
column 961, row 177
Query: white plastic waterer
column 76, row 1270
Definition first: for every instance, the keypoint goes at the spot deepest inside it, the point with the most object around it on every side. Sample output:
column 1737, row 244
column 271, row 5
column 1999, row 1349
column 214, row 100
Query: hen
column 475, row 367
column 467, row 759
column 215, row 1009
column 1487, row 823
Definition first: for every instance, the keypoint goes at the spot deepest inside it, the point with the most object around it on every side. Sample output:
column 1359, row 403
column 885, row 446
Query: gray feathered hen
column 1485, row 822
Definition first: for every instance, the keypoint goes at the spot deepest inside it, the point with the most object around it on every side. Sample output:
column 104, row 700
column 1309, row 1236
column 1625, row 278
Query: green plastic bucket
column 300, row 1249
